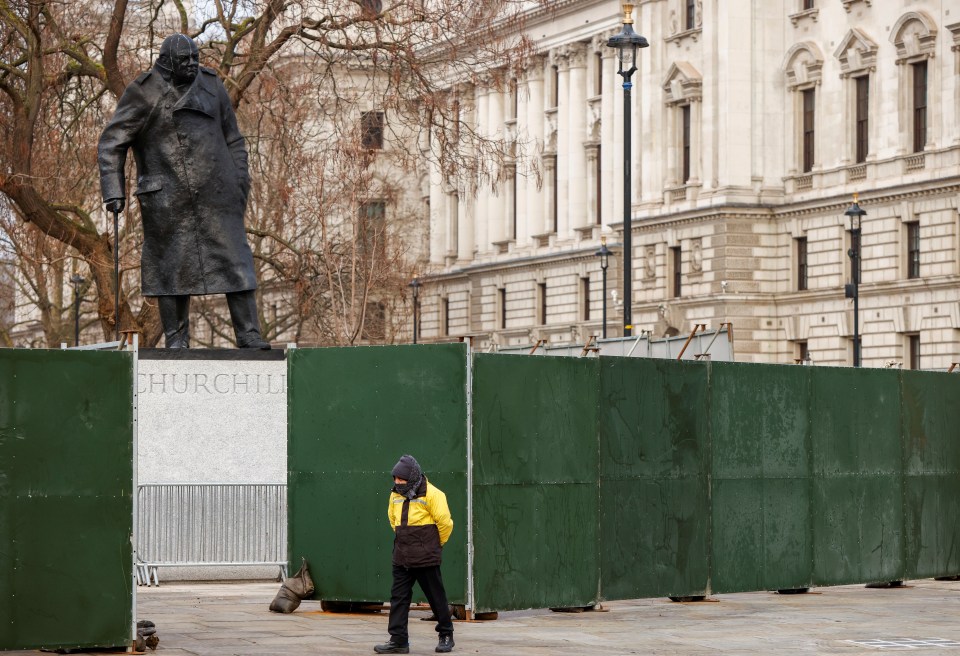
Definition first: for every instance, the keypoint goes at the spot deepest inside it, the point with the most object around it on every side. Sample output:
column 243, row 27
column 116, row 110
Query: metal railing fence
column 193, row 525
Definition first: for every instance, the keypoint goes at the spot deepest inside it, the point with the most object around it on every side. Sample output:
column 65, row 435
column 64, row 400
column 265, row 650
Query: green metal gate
column 66, row 499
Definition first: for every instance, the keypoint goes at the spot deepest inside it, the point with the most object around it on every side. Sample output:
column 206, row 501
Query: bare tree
column 63, row 63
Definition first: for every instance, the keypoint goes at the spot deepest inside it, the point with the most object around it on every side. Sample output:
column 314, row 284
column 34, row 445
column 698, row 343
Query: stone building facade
column 753, row 123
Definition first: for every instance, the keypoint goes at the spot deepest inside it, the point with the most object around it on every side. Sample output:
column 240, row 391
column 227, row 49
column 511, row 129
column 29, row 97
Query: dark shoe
column 392, row 648
column 255, row 342
column 445, row 645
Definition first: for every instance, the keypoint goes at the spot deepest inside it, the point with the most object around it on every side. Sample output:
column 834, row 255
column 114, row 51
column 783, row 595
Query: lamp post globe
column 627, row 42
column 856, row 214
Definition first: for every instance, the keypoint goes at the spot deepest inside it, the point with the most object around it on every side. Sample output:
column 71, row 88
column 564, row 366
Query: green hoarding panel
column 352, row 412
column 761, row 420
column 761, row 535
column 858, row 529
column 857, row 476
column 535, row 481
column 760, row 494
column 535, row 546
column 931, row 423
column 855, row 426
column 655, row 538
column 654, row 459
column 66, row 499
column 931, row 417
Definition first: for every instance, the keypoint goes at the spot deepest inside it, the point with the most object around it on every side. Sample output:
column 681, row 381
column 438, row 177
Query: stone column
column 696, row 112
column 591, row 153
column 608, row 167
column 563, row 144
column 535, row 192
column 523, row 154
column 549, row 166
column 576, row 115
column 616, row 177
column 466, row 235
column 482, row 214
column 494, row 217
column 673, row 174
column 437, row 216
column 452, row 221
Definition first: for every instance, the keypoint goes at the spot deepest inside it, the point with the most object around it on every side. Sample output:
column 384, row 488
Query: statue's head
column 180, row 57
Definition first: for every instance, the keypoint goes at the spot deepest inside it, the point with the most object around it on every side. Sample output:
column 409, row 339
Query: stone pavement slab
column 225, row 619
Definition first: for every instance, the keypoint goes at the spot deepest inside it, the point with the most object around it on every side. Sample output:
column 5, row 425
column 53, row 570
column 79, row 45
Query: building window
column 913, row 351
column 513, row 99
column 675, row 260
column 502, row 292
column 371, row 128
column 919, row 106
column 801, row 264
column 542, row 303
column 809, row 117
column 585, row 295
column 598, row 78
column 863, row 120
column 598, row 166
column 807, row 4
column 555, row 98
column 690, row 15
column 445, row 319
column 803, row 353
column 913, row 249
column 375, row 322
column 685, row 141
column 371, row 229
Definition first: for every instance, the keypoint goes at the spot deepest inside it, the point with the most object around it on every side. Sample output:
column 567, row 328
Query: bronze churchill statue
column 192, row 186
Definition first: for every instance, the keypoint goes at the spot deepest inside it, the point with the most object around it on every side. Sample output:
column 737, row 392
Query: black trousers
column 175, row 317
column 431, row 583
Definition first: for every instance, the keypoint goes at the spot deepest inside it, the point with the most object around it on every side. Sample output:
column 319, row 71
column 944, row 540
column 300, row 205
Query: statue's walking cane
column 116, row 271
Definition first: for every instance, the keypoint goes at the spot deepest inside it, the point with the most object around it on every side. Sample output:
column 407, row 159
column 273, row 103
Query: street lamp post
column 604, row 255
column 856, row 214
column 76, row 280
column 415, row 286
column 627, row 42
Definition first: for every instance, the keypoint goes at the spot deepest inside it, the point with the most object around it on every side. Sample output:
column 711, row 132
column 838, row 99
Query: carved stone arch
column 803, row 65
column 683, row 84
column 857, row 52
column 914, row 36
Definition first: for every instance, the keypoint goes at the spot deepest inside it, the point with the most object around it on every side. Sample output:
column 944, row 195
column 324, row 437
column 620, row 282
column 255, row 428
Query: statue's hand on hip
column 114, row 205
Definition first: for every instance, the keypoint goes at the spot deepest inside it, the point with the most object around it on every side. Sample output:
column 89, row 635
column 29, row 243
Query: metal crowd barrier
column 210, row 525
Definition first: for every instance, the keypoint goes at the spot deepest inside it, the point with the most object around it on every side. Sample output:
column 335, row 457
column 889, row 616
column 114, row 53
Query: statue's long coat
column 192, row 184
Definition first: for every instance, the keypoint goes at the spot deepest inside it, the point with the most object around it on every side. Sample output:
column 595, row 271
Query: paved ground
column 232, row 619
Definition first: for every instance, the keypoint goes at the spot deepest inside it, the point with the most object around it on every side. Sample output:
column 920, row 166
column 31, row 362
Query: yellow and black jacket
column 421, row 525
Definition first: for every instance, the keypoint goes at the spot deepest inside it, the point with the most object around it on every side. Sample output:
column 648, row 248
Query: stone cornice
column 803, row 65
column 521, row 263
column 955, row 30
column 857, row 52
column 923, row 28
